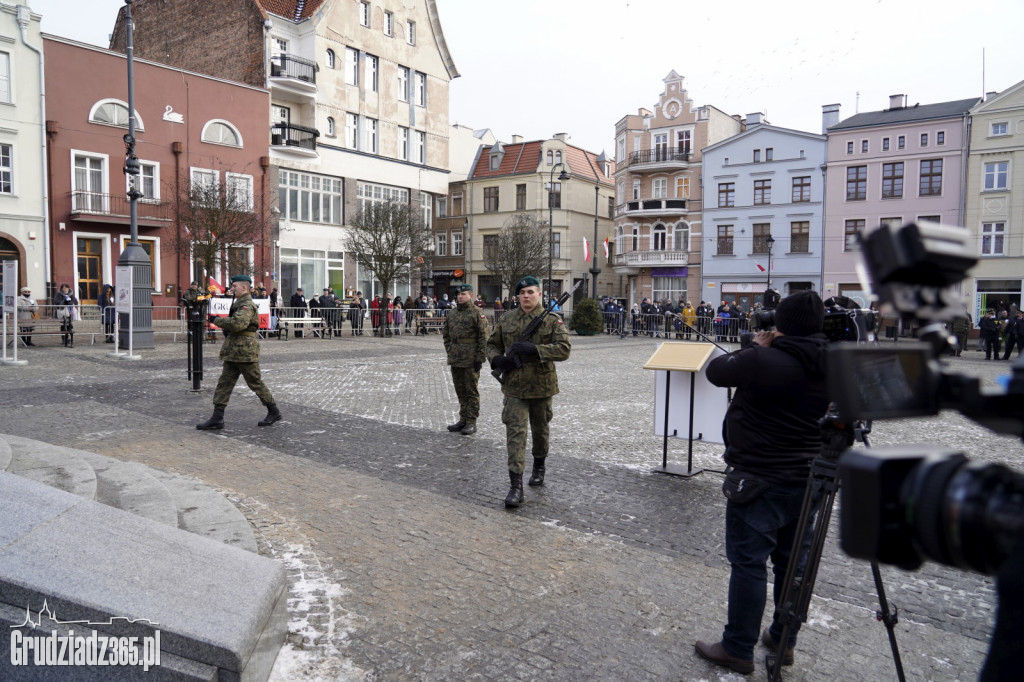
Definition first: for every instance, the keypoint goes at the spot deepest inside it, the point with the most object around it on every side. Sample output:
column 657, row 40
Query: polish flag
column 759, row 267
column 586, row 250
column 606, row 248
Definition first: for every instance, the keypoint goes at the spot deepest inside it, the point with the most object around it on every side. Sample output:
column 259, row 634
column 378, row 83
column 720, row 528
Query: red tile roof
column 525, row 158
column 295, row 10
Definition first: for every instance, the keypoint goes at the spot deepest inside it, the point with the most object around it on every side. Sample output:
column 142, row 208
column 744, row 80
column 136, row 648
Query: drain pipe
column 24, row 18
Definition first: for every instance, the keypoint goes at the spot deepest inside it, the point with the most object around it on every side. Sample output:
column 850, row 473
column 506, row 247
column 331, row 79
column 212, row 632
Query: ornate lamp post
column 769, row 241
column 562, row 177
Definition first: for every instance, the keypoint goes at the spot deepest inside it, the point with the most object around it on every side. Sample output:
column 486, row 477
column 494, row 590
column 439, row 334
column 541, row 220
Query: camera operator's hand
column 765, row 338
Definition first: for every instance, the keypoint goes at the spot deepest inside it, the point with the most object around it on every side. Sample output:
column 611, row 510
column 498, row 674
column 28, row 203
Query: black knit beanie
column 800, row 314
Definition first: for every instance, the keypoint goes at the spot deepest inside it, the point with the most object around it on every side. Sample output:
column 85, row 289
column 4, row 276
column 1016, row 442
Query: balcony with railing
column 660, row 158
column 294, row 139
column 653, row 207
column 292, row 78
column 651, row 258
column 115, row 209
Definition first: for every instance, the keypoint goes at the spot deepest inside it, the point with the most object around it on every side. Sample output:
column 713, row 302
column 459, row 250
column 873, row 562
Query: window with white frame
column 421, row 89
column 310, row 198
column 370, row 135
column 364, row 13
column 681, row 236
column 427, row 209
column 440, row 244
column 149, row 181
column 410, row 32
column 620, row 191
column 221, row 132
column 659, row 237
column 403, row 83
column 421, row 147
column 456, row 243
column 636, row 189
column 351, row 66
column 999, row 129
column 442, row 207
column 5, row 78
column 89, row 182
column 113, row 112
column 239, row 191
column 389, row 23
column 372, row 64
column 330, row 59
column 403, row 143
column 204, row 179
column 6, row 169
column 352, row 131
column 331, row 132
column 369, row 193
column 992, row 239
column 995, row 175
column 659, row 188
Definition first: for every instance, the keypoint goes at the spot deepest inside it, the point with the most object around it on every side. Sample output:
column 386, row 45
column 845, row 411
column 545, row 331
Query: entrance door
column 90, row 269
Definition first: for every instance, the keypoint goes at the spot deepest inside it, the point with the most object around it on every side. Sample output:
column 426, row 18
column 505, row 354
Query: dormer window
column 495, row 161
column 113, row 112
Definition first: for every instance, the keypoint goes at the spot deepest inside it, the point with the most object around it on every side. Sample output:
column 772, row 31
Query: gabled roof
column 294, row 10
column 525, row 158
column 918, row 112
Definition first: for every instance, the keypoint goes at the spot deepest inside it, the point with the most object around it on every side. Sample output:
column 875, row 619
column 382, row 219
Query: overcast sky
column 540, row 67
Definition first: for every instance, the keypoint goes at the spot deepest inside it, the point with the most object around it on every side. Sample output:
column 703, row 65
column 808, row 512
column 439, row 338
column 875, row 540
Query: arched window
column 551, row 157
column 681, row 236
column 659, row 237
column 113, row 112
column 618, row 239
column 221, row 132
column 636, row 238
column 331, row 59
column 330, row 127
column 558, row 157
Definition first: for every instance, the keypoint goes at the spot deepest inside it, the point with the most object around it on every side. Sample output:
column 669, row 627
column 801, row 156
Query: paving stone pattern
column 607, row 572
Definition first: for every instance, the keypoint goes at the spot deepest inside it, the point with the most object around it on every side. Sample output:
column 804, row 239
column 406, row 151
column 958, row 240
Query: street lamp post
column 594, row 270
column 769, row 241
column 562, row 177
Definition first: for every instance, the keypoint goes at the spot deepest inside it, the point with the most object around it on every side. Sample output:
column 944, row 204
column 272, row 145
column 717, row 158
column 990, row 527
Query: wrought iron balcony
column 290, row 66
column 669, row 156
column 115, row 208
column 288, row 135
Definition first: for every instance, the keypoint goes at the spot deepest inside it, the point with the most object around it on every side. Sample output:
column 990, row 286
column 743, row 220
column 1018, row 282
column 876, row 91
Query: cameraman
column 771, row 435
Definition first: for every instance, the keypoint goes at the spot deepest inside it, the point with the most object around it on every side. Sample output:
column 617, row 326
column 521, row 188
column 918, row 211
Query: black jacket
column 771, row 428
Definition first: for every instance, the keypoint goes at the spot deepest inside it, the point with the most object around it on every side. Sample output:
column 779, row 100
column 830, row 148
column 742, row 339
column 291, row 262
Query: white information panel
column 10, row 286
column 709, row 403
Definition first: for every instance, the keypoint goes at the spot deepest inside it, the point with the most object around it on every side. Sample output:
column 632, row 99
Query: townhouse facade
column 515, row 178
column 763, row 214
column 892, row 166
column 358, row 112
column 659, row 231
column 995, row 201
column 24, row 232
column 190, row 128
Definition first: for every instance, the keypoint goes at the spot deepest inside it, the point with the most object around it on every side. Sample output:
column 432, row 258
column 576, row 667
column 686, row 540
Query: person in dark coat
column 107, row 310
column 355, row 313
column 1014, row 333
column 771, row 435
column 989, row 327
column 298, row 308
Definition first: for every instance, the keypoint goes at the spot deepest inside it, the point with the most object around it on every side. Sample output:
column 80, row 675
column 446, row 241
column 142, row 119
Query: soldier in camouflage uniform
column 465, row 339
column 241, row 356
column 527, row 389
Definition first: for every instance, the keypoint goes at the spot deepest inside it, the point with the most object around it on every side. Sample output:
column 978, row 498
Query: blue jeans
column 754, row 532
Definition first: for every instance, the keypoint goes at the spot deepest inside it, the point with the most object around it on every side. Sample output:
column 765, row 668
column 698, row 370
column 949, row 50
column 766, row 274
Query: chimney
column 517, row 139
column 897, row 102
column 829, row 116
column 990, row 95
column 754, row 120
column 564, row 137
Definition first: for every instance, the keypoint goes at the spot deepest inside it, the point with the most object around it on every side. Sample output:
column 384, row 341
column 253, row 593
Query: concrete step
column 220, row 611
column 51, row 465
column 205, row 512
column 5, row 454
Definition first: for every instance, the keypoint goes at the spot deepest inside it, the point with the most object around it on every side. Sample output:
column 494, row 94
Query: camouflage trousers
column 250, row 371
column 517, row 415
column 466, row 380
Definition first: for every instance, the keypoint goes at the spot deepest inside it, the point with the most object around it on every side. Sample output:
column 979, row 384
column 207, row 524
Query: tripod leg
column 888, row 619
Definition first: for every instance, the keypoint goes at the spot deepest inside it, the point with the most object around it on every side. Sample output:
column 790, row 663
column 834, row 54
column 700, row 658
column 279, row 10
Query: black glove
column 523, row 349
column 477, row 366
column 503, row 363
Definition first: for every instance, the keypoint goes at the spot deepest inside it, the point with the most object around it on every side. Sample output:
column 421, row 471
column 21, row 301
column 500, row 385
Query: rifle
column 530, row 329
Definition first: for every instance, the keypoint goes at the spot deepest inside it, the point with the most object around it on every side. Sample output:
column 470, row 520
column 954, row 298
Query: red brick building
column 189, row 128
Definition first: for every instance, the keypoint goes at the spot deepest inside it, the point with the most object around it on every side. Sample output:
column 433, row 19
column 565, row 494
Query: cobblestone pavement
column 403, row 562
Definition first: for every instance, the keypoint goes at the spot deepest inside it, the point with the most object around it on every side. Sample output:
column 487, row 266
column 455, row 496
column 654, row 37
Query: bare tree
column 212, row 218
column 522, row 249
column 386, row 239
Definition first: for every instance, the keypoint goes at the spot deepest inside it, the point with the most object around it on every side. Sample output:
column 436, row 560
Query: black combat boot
column 216, row 422
column 515, row 492
column 469, row 429
column 457, row 426
column 537, row 477
column 273, row 415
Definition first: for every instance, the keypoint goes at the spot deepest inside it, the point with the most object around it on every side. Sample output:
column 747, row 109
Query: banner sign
column 220, row 306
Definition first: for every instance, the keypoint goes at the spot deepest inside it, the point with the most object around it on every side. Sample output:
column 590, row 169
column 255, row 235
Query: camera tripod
column 836, row 437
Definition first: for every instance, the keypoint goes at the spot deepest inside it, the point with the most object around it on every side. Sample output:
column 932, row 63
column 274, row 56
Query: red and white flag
column 606, row 248
column 216, row 283
column 586, row 250
column 759, row 267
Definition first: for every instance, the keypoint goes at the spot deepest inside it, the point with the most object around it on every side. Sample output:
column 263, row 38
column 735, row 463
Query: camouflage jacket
column 465, row 335
column 537, row 378
column 241, row 324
